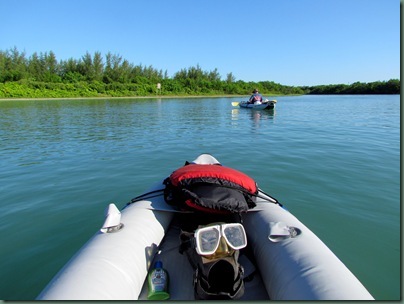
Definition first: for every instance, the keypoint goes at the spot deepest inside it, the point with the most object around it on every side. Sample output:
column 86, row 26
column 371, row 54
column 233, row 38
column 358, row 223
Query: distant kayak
column 270, row 104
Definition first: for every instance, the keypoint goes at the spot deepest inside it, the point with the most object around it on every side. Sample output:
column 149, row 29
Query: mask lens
column 207, row 240
column 235, row 235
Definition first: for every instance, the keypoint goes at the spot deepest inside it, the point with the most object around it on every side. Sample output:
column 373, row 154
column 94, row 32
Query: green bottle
column 158, row 283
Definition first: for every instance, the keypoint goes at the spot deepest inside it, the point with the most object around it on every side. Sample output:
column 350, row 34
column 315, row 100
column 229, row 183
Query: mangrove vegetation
column 93, row 75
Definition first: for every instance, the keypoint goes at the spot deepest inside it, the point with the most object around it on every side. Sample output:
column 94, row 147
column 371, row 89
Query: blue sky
column 291, row 42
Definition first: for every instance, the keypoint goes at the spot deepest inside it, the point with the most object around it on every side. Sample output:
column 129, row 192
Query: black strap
column 146, row 196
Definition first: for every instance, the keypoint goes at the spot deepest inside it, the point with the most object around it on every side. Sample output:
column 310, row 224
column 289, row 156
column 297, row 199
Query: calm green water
column 333, row 161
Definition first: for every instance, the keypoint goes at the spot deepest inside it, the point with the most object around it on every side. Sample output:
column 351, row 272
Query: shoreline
column 163, row 97
column 121, row 97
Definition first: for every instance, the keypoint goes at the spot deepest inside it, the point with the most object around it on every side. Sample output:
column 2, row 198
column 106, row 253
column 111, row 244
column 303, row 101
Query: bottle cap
column 158, row 264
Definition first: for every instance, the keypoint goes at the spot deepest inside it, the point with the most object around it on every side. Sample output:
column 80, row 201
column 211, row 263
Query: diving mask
column 209, row 238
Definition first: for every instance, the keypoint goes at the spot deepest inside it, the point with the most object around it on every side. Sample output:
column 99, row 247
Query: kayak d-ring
column 112, row 221
column 279, row 231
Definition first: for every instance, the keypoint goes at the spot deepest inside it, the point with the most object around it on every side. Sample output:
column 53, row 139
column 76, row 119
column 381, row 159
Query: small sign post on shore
column 158, row 89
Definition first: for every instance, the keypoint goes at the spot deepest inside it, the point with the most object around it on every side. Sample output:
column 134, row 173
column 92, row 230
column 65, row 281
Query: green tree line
column 391, row 86
column 93, row 75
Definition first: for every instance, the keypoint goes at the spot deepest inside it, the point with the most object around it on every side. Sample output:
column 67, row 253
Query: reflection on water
column 256, row 116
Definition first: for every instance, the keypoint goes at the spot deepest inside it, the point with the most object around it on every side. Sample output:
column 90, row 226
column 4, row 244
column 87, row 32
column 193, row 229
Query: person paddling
column 255, row 97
